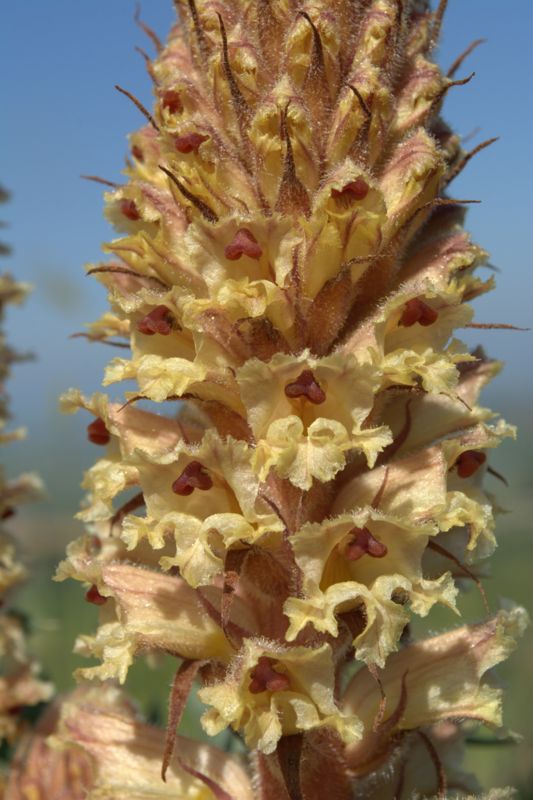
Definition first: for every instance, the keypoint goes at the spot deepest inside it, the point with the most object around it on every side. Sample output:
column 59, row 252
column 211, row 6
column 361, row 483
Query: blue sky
column 62, row 117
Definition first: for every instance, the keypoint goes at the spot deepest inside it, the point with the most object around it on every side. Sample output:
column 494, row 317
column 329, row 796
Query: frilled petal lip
column 152, row 611
column 305, row 702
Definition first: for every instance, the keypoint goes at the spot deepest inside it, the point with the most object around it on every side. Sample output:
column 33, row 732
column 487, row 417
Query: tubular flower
column 39, row 772
column 306, row 471
column 91, row 744
column 19, row 683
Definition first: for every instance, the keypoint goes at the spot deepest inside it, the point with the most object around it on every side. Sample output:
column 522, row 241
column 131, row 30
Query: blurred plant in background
column 20, row 685
column 267, row 516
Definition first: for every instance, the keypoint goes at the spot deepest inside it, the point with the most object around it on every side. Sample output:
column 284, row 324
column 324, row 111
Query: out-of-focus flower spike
column 20, row 686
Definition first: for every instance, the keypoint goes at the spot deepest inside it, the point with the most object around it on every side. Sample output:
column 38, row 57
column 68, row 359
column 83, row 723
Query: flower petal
column 127, row 755
column 443, row 675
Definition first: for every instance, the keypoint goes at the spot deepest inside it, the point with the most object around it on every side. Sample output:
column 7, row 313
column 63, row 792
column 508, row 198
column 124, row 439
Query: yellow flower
column 274, row 691
column 143, row 610
column 429, row 681
column 204, row 497
column 370, row 563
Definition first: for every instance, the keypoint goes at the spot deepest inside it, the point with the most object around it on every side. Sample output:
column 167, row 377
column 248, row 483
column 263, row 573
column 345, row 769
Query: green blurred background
column 60, row 61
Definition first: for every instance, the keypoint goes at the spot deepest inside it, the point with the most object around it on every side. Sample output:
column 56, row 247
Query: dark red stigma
column 172, row 101
column 159, row 320
column 264, row 678
column 97, row 432
column 129, row 209
column 305, row 385
column 469, row 462
column 194, row 476
column 243, row 243
column 189, row 142
column 137, row 153
column 93, row 596
column 355, row 190
column 363, row 543
column 7, row 513
column 417, row 311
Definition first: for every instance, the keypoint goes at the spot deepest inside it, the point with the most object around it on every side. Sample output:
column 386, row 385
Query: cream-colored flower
column 204, row 498
column 274, row 691
column 39, row 772
column 98, row 748
column 436, row 679
column 145, row 611
column 306, row 413
column 371, row 563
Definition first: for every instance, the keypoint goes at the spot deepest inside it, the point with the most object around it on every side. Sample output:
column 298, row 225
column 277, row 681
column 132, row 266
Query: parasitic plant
column 20, row 685
column 29, row 768
column 296, row 472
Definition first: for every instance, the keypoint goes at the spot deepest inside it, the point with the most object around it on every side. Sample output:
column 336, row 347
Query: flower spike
column 304, row 474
